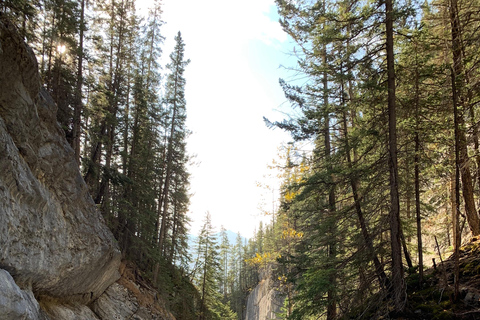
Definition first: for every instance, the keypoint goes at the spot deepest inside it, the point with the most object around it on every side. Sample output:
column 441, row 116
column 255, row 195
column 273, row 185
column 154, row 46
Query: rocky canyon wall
column 265, row 301
column 58, row 260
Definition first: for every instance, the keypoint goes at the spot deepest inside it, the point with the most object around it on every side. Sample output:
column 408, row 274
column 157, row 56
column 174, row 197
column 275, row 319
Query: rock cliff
column 58, row 260
column 265, row 301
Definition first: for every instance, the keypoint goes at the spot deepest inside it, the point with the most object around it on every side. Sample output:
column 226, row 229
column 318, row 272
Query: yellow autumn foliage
column 262, row 259
column 290, row 233
column 289, row 196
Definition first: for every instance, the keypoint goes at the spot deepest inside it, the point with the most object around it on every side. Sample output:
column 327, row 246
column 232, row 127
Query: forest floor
column 434, row 299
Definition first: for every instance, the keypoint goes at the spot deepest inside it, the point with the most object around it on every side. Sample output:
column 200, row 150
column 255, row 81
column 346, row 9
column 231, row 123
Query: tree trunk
column 399, row 294
column 166, row 186
column 408, row 258
column 332, row 245
column 475, row 143
column 76, row 130
column 354, row 183
column 174, row 234
column 367, row 238
column 459, row 105
column 458, row 164
column 114, row 86
column 204, row 285
column 417, row 173
column 408, row 191
column 417, row 208
column 453, row 201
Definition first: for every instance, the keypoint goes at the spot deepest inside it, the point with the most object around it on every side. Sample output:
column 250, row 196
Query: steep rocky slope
column 57, row 257
column 434, row 297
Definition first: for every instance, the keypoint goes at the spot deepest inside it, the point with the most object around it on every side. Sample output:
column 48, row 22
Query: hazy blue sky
column 236, row 49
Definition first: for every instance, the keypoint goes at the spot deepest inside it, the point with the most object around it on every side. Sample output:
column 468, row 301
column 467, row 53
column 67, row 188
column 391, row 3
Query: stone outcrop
column 57, row 256
column 265, row 301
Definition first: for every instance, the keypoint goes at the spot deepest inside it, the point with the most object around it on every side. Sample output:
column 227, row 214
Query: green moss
column 443, row 315
column 446, row 304
column 432, row 294
column 430, row 308
column 413, row 280
column 473, row 246
column 471, row 268
column 436, row 311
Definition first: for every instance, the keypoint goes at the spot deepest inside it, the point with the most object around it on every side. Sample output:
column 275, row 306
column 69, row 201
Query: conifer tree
column 395, row 228
column 176, row 133
column 339, row 61
column 236, row 268
column 224, row 259
column 209, row 275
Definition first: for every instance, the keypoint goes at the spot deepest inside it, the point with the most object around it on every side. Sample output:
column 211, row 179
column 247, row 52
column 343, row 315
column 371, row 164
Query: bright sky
column 236, row 49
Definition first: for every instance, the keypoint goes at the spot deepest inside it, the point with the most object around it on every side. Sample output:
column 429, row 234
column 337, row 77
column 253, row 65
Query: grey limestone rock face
column 265, row 301
column 16, row 304
column 52, row 237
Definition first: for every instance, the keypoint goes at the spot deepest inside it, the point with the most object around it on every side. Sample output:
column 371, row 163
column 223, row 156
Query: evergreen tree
column 224, row 255
column 236, row 274
column 340, row 63
column 23, row 13
column 176, row 133
column 209, row 275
